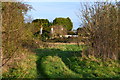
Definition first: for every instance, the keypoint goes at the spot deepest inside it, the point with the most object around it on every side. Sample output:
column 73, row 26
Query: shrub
column 101, row 25
column 13, row 29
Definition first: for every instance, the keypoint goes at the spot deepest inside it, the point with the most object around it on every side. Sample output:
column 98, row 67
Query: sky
column 61, row 0
column 52, row 10
column 49, row 0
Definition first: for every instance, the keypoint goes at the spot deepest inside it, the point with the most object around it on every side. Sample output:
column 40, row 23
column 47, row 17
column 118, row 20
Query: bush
column 101, row 25
column 13, row 29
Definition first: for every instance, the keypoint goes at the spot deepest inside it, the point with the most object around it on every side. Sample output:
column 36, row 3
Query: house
column 70, row 36
column 58, row 31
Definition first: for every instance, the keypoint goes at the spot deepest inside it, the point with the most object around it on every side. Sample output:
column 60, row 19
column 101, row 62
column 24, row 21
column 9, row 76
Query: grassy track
column 64, row 61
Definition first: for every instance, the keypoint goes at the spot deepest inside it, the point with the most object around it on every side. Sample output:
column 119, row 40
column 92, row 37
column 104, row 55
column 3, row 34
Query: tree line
column 38, row 23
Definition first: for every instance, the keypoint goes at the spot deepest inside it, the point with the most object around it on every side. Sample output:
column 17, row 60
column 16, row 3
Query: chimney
column 41, row 30
column 52, row 30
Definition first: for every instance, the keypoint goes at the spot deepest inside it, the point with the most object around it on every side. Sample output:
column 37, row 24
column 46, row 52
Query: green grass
column 25, row 68
column 94, row 68
column 54, row 67
column 60, row 53
column 70, row 55
column 64, row 61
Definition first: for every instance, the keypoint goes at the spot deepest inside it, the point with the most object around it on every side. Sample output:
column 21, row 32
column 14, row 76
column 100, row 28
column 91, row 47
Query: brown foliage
column 13, row 29
column 101, row 26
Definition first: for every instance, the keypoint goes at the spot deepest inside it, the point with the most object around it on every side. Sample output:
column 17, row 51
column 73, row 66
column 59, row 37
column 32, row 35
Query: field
column 36, row 48
column 63, row 61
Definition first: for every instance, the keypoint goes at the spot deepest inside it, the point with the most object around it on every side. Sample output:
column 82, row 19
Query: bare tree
column 101, row 26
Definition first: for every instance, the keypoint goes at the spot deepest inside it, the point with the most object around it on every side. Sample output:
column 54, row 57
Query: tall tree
column 41, row 22
column 65, row 22
column 44, row 23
